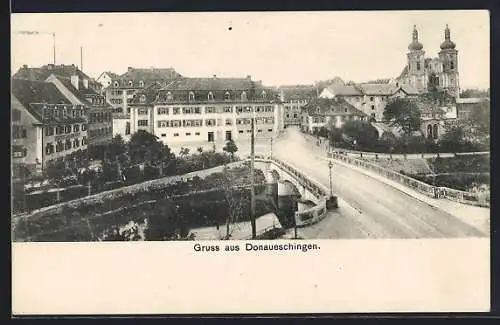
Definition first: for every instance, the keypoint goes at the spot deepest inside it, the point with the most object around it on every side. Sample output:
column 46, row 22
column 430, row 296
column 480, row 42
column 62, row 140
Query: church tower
column 448, row 57
column 416, row 63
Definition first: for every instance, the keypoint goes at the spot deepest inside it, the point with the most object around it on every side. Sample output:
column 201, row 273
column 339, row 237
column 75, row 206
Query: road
column 368, row 208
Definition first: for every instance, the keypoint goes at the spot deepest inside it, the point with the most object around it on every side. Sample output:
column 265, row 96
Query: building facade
column 329, row 113
column 80, row 90
column 46, row 126
column 214, row 110
column 122, row 88
column 443, row 69
column 370, row 99
column 106, row 78
column 294, row 98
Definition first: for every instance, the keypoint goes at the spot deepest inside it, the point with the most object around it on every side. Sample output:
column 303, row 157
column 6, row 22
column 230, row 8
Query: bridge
column 374, row 206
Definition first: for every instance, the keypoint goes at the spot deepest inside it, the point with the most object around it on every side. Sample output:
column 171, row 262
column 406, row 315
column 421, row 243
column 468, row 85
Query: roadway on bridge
column 368, row 208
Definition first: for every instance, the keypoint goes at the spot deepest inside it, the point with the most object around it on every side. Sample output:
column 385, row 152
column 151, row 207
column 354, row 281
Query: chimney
column 86, row 83
column 25, row 66
column 74, row 81
column 249, row 77
column 129, row 69
column 214, row 76
column 50, row 66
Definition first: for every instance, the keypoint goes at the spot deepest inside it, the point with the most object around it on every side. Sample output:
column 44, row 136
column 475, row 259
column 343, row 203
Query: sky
column 279, row 48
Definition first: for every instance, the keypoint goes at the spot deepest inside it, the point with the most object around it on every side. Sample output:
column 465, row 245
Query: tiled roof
column 28, row 92
column 112, row 75
column 60, row 71
column 211, row 84
column 325, row 106
column 135, row 74
column 344, row 90
column 378, row 89
column 180, row 89
column 298, row 92
column 379, row 81
column 409, row 89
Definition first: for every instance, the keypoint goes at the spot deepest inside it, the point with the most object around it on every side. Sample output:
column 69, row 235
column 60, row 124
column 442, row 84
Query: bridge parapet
column 313, row 214
column 424, row 188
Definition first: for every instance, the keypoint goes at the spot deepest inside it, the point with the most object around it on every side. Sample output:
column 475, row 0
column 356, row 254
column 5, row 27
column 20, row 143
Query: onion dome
column 415, row 45
column 447, row 44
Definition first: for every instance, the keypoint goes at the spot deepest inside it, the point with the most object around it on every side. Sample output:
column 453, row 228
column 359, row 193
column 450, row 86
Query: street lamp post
column 330, row 165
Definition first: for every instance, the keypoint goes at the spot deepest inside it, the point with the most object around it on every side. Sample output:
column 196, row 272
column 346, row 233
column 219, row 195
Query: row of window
column 100, row 132
column 162, row 110
column 19, row 152
column 120, row 92
column 100, row 117
column 63, row 112
column 210, row 96
column 64, row 129
column 258, row 120
column 97, row 100
column 198, row 133
column 18, row 132
column 64, row 145
column 130, row 83
column 116, row 101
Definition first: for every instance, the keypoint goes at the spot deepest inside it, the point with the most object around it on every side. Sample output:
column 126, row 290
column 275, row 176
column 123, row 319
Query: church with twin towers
column 443, row 69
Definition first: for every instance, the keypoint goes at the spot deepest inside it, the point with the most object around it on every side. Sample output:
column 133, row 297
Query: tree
column 365, row 134
column 475, row 93
column 184, row 152
column 454, row 139
column 480, row 118
column 226, row 183
column 404, row 113
column 56, row 172
column 116, row 152
column 199, row 149
column 335, row 137
column 230, row 148
column 164, row 222
column 144, row 147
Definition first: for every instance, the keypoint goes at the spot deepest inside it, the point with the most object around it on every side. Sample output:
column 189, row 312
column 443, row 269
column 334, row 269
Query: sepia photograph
column 277, row 129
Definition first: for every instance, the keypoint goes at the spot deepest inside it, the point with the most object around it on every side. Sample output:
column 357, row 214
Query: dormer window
column 210, row 96
column 130, row 83
column 116, row 84
column 141, row 83
column 169, row 96
column 191, row 96
column 243, row 96
column 227, row 96
column 142, row 99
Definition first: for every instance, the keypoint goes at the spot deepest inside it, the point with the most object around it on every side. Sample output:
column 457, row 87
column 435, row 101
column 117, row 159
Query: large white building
column 207, row 110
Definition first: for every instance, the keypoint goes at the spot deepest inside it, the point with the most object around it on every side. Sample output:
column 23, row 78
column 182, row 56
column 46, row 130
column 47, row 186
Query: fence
column 377, row 155
column 426, row 189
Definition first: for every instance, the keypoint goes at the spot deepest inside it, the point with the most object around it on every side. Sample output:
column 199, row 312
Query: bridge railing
column 424, row 188
column 313, row 214
column 385, row 155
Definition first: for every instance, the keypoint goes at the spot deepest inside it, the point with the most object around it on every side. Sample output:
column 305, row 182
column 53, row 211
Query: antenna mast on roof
column 54, row 46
